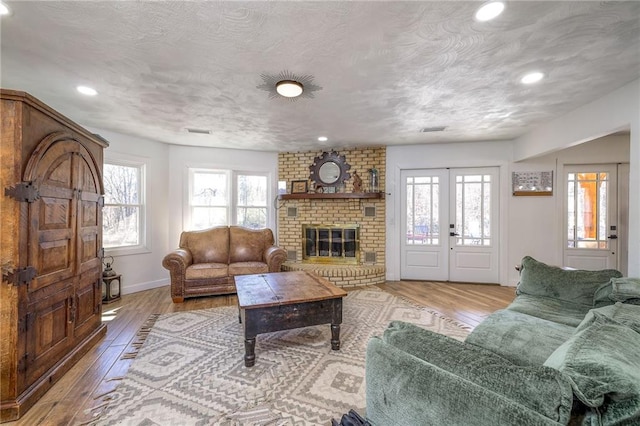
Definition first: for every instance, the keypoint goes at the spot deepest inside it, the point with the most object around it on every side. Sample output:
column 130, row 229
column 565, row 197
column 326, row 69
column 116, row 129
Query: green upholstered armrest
column 602, row 359
column 405, row 390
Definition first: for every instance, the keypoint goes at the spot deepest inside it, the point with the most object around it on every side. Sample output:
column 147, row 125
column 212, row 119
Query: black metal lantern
column 111, row 282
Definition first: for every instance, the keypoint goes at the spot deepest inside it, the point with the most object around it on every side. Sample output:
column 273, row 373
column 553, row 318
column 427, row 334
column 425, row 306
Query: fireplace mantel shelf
column 339, row 195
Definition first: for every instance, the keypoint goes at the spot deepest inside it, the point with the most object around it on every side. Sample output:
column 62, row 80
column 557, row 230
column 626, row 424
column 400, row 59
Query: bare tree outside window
column 209, row 199
column 123, row 206
column 251, row 208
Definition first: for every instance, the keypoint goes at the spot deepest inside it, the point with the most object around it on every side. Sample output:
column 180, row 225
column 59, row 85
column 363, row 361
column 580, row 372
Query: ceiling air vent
column 432, row 129
column 199, row 131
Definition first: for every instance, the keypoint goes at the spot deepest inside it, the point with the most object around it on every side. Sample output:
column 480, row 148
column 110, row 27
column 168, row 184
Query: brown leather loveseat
column 207, row 260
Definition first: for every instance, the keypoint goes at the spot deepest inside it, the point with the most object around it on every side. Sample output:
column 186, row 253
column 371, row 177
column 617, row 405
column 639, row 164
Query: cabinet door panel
column 52, row 222
column 88, row 304
column 49, row 333
column 89, row 215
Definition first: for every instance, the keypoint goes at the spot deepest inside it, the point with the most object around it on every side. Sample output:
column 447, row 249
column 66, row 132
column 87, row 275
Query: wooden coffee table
column 286, row 300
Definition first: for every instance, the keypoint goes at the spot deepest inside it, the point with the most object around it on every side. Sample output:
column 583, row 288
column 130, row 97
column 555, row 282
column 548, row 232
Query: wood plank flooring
column 75, row 398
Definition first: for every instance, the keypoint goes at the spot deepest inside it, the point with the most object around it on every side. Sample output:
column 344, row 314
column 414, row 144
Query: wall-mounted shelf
column 339, row 195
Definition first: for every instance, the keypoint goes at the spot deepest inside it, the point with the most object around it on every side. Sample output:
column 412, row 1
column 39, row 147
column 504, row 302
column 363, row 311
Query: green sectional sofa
column 566, row 351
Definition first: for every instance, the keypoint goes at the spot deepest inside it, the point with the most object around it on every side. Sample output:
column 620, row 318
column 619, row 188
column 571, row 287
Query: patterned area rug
column 190, row 370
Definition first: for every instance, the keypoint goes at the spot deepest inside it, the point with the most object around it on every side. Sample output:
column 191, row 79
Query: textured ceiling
column 385, row 69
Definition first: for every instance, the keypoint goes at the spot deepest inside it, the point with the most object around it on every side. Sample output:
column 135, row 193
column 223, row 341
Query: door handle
column 453, row 234
column 612, row 237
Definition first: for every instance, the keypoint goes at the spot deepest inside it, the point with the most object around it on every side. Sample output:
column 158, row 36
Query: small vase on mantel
column 374, row 183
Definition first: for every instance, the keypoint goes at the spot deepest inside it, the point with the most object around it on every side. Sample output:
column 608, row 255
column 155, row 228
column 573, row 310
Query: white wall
column 616, row 111
column 183, row 157
column 142, row 271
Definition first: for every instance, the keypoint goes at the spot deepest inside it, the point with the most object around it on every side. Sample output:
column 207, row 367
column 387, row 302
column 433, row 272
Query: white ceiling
column 386, row 69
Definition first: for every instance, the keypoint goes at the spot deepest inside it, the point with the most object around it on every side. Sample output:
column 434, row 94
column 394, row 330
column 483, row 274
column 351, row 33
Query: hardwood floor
column 74, row 399
column 466, row 303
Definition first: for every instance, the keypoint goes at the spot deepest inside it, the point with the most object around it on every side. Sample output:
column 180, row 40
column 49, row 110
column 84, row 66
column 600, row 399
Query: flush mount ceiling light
column 488, row 11
column 288, row 85
column 532, row 77
column 4, row 9
column 85, row 90
column 323, row 138
column 289, row 88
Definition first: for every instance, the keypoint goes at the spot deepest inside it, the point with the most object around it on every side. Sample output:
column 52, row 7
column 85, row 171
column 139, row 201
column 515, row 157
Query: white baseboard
column 134, row 288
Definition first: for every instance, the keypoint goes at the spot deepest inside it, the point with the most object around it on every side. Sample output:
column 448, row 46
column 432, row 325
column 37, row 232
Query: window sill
column 126, row 251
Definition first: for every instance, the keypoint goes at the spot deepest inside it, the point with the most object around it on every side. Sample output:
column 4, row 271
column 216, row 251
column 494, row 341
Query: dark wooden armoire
column 51, row 235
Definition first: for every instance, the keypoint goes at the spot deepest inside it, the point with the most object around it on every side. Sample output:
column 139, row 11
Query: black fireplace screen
column 331, row 243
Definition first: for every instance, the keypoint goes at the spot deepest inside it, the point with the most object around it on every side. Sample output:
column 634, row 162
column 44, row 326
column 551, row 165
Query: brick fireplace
column 316, row 231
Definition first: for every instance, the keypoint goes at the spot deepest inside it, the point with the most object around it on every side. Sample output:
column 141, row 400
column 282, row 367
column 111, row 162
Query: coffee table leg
column 249, row 351
column 335, row 337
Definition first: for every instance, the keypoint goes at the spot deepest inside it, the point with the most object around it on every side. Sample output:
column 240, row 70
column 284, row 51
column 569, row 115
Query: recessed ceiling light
column 4, row 9
column 490, row 10
column 289, row 88
column 532, row 77
column 89, row 91
column 323, row 138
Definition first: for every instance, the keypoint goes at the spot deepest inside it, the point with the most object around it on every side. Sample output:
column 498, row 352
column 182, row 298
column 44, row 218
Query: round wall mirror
column 329, row 173
column 329, row 169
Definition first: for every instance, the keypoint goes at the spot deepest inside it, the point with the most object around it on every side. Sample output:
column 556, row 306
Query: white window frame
column 234, row 195
column 232, row 190
column 190, row 206
column 143, row 245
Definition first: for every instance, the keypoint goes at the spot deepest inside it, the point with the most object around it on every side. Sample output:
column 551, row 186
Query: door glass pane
column 473, row 210
column 423, row 196
column 587, row 210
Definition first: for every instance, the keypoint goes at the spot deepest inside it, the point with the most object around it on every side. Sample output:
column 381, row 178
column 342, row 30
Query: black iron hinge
column 24, row 191
column 20, row 276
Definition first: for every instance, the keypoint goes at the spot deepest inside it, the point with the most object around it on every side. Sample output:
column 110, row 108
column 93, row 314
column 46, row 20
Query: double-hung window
column 251, row 200
column 209, row 198
column 123, row 213
column 227, row 197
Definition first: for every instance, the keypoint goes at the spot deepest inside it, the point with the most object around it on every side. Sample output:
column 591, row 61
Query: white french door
column 424, row 232
column 591, row 217
column 449, row 225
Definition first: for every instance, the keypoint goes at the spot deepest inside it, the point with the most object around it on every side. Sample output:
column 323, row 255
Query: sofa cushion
column 521, row 338
column 624, row 289
column 246, row 268
column 201, row 271
column 207, row 246
column 551, row 309
column 248, row 245
column 539, row 388
column 603, row 361
column 571, row 285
